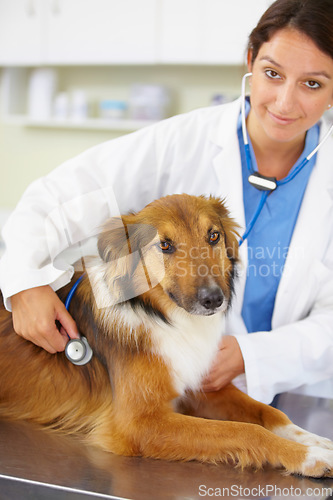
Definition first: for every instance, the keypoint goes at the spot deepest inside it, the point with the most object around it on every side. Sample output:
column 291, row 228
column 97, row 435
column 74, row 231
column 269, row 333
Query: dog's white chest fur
column 188, row 347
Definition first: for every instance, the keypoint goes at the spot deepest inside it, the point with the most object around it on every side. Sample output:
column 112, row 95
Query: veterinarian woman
column 279, row 334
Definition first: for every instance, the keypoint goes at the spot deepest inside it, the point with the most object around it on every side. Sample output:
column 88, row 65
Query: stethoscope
column 78, row 351
column 262, row 182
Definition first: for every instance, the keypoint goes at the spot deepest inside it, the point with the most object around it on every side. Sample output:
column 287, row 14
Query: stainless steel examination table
column 36, row 465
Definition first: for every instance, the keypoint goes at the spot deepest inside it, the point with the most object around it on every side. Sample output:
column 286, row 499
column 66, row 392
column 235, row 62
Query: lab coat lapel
column 309, row 236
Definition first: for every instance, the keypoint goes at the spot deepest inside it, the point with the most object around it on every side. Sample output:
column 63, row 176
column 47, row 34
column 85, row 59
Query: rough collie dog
column 152, row 310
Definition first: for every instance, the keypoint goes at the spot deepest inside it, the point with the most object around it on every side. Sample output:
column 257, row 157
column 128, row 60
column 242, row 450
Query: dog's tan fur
column 134, row 398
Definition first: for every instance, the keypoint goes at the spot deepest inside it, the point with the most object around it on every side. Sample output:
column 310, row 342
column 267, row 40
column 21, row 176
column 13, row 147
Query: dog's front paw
column 295, row 433
column 318, row 463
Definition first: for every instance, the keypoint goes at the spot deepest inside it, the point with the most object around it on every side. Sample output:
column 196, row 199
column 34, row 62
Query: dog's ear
column 124, row 245
column 113, row 240
column 230, row 228
column 125, row 236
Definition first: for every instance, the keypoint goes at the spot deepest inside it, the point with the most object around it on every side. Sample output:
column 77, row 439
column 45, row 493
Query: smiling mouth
column 280, row 119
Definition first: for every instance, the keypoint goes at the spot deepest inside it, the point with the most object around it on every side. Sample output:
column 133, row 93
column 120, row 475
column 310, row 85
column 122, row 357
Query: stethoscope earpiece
column 78, row 351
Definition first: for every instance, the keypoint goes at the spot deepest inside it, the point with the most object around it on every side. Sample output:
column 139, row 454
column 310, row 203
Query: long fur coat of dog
column 152, row 306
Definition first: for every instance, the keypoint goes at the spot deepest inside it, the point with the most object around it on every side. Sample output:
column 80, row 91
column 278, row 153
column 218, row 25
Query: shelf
column 88, row 124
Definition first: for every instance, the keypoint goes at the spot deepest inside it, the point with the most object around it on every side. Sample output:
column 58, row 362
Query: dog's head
column 183, row 246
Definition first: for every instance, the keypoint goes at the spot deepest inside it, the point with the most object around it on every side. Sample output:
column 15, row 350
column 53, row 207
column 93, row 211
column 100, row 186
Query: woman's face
column 292, row 86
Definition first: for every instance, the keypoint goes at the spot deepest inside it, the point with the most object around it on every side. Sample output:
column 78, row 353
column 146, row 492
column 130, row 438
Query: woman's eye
column 311, row 84
column 272, row 74
column 214, row 237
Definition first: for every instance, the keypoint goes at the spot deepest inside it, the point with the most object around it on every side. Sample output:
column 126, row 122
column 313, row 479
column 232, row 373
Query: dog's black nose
column 210, row 297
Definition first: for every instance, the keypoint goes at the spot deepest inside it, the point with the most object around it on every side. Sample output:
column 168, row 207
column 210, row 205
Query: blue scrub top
column 269, row 240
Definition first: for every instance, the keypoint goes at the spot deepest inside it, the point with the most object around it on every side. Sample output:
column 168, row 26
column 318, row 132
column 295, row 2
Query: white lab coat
column 195, row 153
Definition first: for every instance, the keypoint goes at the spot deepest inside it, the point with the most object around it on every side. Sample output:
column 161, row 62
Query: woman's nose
column 286, row 99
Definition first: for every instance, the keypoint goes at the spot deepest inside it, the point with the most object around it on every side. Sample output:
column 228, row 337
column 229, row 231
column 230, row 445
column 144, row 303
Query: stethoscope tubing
column 255, row 216
column 72, row 291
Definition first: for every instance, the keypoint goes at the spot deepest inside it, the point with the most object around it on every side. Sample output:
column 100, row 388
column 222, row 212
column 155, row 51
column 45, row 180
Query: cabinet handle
column 55, row 7
column 30, row 8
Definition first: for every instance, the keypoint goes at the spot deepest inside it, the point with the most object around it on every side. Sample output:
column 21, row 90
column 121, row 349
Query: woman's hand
column 35, row 312
column 228, row 363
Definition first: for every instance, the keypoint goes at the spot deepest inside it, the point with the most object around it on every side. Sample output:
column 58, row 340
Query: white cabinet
column 100, row 31
column 36, row 32
column 20, row 32
column 207, row 31
column 61, row 32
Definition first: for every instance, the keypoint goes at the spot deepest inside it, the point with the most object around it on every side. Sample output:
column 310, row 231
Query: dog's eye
column 214, row 237
column 166, row 247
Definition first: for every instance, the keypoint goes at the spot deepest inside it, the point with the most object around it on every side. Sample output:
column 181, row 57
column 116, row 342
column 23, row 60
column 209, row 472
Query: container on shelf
column 61, row 106
column 149, row 102
column 78, row 105
column 42, row 87
column 111, row 109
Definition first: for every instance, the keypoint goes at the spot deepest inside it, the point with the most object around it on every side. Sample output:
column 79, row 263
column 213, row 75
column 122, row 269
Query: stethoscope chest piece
column 262, row 182
column 78, row 351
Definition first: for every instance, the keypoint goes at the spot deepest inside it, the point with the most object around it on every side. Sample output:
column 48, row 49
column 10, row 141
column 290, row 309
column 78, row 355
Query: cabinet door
column 20, row 32
column 101, row 31
column 207, row 31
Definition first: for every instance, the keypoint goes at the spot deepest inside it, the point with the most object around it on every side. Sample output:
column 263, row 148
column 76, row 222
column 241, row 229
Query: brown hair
column 314, row 18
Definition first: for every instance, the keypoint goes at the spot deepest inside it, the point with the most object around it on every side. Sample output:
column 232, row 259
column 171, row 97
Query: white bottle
column 60, row 106
column 42, row 88
column 79, row 106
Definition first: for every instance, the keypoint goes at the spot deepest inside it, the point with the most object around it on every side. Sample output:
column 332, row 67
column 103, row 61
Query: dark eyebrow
column 312, row 73
column 319, row 73
column 269, row 59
